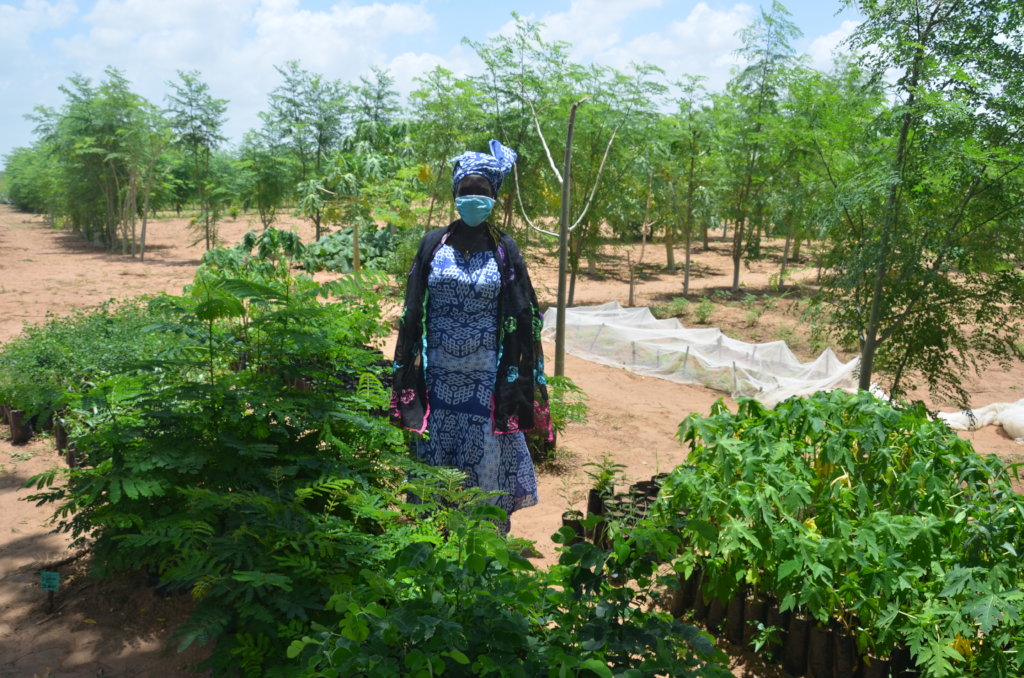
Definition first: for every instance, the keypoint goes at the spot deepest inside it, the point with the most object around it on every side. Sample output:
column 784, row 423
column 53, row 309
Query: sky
column 235, row 44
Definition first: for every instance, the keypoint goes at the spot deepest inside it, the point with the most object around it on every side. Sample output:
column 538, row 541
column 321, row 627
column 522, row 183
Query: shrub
column 679, row 307
column 846, row 507
column 469, row 607
column 251, row 464
column 334, row 252
column 65, row 355
column 704, row 310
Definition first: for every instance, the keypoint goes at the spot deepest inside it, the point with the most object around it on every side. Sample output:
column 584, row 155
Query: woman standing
column 469, row 371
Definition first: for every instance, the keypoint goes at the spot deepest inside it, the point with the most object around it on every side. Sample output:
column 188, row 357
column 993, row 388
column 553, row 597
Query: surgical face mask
column 474, row 208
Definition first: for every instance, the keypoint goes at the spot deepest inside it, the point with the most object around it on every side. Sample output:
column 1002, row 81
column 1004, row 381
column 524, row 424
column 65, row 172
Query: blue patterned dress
column 462, row 360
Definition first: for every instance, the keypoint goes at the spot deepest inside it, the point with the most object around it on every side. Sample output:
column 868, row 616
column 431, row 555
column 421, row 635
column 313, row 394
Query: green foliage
column 197, row 118
column 851, row 509
column 568, row 403
column 28, row 177
column 50, row 362
column 703, row 312
column 466, row 606
column 604, row 474
column 248, row 461
column 262, row 176
column 754, row 310
column 927, row 195
column 97, row 162
column 679, row 307
column 333, row 252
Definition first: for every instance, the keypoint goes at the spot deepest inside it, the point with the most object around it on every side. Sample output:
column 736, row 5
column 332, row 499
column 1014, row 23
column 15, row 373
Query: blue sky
column 236, row 43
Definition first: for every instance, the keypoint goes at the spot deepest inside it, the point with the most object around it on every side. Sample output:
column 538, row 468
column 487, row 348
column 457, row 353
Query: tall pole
column 563, row 247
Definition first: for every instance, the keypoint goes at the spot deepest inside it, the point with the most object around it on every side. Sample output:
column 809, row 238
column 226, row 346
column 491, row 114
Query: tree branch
column 522, row 210
column 540, row 134
column 597, row 179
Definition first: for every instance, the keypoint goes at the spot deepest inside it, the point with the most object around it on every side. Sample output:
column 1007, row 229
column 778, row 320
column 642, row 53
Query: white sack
column 1008, row 415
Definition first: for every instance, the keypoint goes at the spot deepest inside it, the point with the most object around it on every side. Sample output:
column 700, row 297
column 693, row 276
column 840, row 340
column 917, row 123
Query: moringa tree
column 747, row 115
column 690, row 136
column 197, row 119
column 446, row 118
column 306, row 123
column 925, row 271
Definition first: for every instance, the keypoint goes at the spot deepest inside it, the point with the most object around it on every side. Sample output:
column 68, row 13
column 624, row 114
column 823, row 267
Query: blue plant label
column 49, row 581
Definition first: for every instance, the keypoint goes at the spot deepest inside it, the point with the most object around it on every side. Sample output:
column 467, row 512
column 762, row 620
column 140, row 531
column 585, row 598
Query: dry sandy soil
column 122, row 629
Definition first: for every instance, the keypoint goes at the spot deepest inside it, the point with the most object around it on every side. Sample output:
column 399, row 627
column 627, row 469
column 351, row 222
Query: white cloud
column 235, row 44
column 822, row 49
column 703, row 43
column 340, row 38
column 592, row 25
column 406, row 67
column 241, row 39
column 18, row 24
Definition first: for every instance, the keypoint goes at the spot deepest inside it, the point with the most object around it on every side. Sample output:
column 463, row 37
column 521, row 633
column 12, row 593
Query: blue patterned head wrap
column 492, row 167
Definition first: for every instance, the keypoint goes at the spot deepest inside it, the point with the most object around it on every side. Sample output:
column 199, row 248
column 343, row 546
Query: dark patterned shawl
column 520, row 398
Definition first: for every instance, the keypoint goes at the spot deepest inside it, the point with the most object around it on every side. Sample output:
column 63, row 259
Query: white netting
column 633, row 339
column 1008, row 415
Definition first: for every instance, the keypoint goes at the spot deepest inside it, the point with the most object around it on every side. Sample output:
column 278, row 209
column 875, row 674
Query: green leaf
column 789, row 567
column 297, row 646
column 476, row 563
column 703, row 528
column 459, row 657
column 597, row 666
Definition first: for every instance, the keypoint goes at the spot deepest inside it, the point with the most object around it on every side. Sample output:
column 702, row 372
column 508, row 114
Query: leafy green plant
column 853, row 510
column 334, row 252
column 721, row 296
column 65, row 355
column 468, row 606
column 679, row 307
column 753, row 310
column 568, row 403
column 604, row 474
column 249, row 463
column 702, row 313
column 785, row 333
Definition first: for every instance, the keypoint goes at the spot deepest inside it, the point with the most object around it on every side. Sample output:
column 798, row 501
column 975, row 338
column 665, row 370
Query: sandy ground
column 122, row 629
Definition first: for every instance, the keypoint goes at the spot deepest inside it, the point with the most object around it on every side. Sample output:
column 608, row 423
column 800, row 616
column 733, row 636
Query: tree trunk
column 576, row 245
column 563, row 241
column 142, row 233
column 430, row 214
column 785, row 258
column 433, row 198
column 355, row 248
column 737, row 253
column 686, row 265
column 797, row 242
column 670, row 244
column 691, row 189
column 870, row 342
column 631, row 299
column 644, row 228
